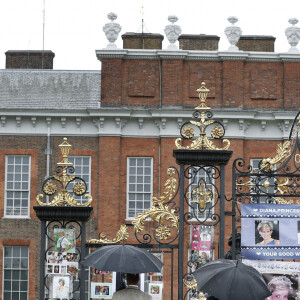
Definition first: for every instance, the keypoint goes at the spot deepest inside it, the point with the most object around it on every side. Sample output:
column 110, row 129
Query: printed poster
column 282, row 277
column 270, row 231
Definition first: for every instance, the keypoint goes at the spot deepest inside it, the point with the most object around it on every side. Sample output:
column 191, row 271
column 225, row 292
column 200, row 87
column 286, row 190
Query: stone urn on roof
column 112, row 30
column 233, row 34
column 293, row 35
column 172, row 32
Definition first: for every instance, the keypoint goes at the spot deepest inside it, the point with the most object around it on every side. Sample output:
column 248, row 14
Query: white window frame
column 136, row 192
column 258, row 160
column 80, row 199
column 191, row 187
column 6, row 215
column 15, row 269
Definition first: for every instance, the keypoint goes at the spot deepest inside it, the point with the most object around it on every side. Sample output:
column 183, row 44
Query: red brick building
column 125, row 119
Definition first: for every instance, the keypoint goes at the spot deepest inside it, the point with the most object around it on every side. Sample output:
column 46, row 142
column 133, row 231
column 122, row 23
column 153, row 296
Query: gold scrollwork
column 159, row 211
column 297, row 158
column 202, row 142
column 283, row 201
column 64, row 198
column 121, row 236
column 283, row 152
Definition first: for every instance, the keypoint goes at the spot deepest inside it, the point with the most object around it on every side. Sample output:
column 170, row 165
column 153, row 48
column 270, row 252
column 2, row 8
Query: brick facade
column 165, row 87
column 232, row 84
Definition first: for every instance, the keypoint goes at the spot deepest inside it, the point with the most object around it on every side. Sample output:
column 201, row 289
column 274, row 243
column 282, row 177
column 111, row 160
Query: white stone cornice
column 118, row 122
column 33, row 121
column 18, row 121
column 63, row 121
column 225, row 123
column 179, row 121
column 78, row 122
column 48, row 121
column 198, row 55
column 141, row 122
column 153, row 122
column 3, row 121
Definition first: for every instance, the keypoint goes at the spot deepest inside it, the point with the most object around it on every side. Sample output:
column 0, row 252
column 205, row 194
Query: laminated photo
column 64, row 240
column 61, row 287
column 101, row 290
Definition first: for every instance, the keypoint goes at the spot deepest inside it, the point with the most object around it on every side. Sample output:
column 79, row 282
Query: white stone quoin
column 112, row 30
column 293, row 35
column 172, row 32
column 233, row 34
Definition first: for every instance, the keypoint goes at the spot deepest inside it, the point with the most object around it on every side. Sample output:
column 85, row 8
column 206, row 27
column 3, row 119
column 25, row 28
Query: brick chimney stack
column 133, row 40
column 199, row 42
column 29, row 59
column 259, row 43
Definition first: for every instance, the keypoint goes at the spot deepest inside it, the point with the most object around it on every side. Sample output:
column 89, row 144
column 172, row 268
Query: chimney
column 133, row 40
column 29, row 59
column 198, row 42
column 261, row 43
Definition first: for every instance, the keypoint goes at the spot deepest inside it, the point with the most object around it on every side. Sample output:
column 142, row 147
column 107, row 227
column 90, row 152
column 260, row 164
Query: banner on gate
column 270, row 231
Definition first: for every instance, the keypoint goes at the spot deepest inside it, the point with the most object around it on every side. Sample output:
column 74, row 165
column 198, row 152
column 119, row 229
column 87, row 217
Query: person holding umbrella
column 132, row 290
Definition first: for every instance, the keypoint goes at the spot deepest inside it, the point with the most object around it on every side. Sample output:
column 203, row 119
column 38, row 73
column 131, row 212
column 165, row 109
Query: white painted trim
column 197, row 55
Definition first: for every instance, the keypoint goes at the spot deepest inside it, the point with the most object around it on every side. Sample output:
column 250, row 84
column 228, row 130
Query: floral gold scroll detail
column 64, row 199
column 79, row 188
column 159, row 211
column 283, row 152
column 122, row 235
column 202, row 122
column 50, row 188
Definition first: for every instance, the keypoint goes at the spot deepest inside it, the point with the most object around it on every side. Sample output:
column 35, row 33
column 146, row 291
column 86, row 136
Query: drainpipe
column 48, row 153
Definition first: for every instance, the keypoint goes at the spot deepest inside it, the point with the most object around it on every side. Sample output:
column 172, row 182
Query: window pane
column 139, row 183
column 16, row 280
column 17, row 182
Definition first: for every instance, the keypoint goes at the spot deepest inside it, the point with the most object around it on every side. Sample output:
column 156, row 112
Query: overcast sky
column 73, row 28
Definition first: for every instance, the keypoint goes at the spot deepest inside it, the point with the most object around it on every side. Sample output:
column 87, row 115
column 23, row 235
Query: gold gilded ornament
column 79, row 188
column 188, row 132
column 121, row 236
column 63, row 198
column 283, row 152
column 159, row 211
column 50, row 188
column 217, row 132
column 202, row 142
column 163, row 232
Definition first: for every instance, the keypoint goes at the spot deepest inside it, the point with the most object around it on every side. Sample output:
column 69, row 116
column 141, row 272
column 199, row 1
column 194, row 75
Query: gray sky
column 73, row 28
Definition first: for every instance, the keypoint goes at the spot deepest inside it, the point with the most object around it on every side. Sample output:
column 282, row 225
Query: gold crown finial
column 65, row 149
column 202, row 91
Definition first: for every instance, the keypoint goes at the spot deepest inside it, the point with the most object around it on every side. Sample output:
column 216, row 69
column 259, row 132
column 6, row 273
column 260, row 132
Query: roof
column 49, row 89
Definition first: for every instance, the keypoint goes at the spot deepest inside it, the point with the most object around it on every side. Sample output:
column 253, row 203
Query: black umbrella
column 123, row 258
column 231, row 280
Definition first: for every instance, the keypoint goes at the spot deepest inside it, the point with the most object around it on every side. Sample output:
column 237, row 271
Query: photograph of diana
column 60, row 286
column 267, row 233
column 282, row 287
